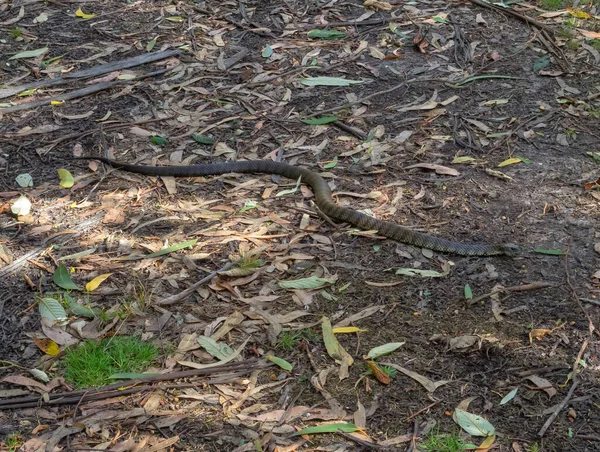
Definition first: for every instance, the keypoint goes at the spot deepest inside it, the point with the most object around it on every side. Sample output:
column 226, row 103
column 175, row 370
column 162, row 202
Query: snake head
column 510, row 249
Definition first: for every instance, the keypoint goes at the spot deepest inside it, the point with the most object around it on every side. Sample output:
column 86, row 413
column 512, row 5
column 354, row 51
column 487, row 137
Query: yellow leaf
column 333, row 347
column 66, row 178
column 83, row 15
column 578, row 13
column 49, row 347
column 56, row 102
column 487, row 443
column 348, row 329
column 94, row 283
column 511, row 161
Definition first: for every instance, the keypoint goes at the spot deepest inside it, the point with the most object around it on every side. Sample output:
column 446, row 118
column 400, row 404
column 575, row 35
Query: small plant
column 566, row 32
column 288, row 340
column 534, row 448
column 573, row 44
column 13, row 442
column 92, row 363
column 436, row 442
column 16, row 33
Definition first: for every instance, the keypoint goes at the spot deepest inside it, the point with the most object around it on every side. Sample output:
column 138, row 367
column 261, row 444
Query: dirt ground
column 502, row 125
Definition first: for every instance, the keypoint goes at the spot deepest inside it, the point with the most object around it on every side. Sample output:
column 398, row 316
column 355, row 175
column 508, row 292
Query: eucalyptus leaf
column 306, row 283
column 50, row 308
column 62, row 278
column 328, row 81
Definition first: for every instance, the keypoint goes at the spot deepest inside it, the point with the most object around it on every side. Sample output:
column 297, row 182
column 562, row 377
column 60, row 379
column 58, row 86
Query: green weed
column 436, row 442
column 92, row 362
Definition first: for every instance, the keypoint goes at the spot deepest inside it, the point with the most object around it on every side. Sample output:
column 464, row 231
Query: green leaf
column 331, row 164
column 508, row 397
column 203, row 140
column 66, row 178
column 344, row 287
column 326, row 34
column 328, row 81
column 267, row 51
column 464, row 159
column 249, row 205
column 468, row 292
column 306, row 283
column 62, row 278
column 174, row 19
column 290, row 191
column 595, row 156
column 29, row 53
column 170, row 249
column 24, row 180
column 158, row 140
column 327, row 428
column 384, row 349
column 27, row 92
column 83, row 310
column 550, row 252
column 130, row 376
column 421, row 273
column 50, row 308
column 320, row 121
column 472, row 424
column 541, row 63
column 151, row 44
column 280, row 362
column 525, row 160
column 440, row 20
column 219, row 350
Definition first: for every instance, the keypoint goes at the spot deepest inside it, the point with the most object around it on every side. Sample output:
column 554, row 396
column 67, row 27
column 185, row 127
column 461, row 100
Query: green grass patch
column 552, row 4
column 436, row 442
column 13, row 442
column 92, row 363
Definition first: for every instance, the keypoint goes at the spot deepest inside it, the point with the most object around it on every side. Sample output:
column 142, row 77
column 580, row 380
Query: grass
column 288, row 340
column 436, row 442
column 552, row 4
column 92, row 363
column 13, row 442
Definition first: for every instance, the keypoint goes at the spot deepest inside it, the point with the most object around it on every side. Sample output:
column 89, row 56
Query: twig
column 422, row 410
column 346, row 23
column 124, row 388
column 360, row 442
column 187, row 292
column 352, row 130
column 558, row 409
column 522, row 288
column 92, row 89
column 359, row 101
column 91, row 72
column 591, row 327
column 527, row 19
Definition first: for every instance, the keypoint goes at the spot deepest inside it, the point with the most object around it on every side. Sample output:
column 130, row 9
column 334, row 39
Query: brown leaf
column 439, row 169
column 378, row 373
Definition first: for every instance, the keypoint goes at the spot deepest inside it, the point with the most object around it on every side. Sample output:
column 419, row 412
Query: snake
column 324, row 201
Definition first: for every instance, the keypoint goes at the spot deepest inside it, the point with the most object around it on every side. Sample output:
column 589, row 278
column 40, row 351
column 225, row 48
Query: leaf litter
column 223, row 277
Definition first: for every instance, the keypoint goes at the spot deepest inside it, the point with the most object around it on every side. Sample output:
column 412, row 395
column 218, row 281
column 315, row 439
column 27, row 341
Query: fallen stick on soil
column 127, row 387
column 95, row 71
column 187, row 292
column 75, row 94
column 527, row 19
column 522, row 288
column 558, row 409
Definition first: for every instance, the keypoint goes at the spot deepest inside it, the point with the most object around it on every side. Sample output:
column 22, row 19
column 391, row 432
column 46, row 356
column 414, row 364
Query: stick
column 558, row 409
column 187, row 292
column 527, row 19
column 91, row 72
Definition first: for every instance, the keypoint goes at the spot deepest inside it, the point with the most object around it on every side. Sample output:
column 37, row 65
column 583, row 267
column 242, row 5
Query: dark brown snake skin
column 323, row 199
